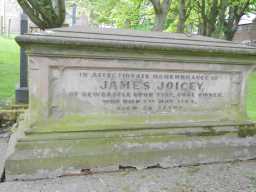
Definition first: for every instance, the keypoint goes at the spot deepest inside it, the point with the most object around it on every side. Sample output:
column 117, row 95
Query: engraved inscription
column 139, row 91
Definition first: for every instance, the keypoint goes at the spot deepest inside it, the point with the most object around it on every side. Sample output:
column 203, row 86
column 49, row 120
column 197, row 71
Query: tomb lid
column 131, row 39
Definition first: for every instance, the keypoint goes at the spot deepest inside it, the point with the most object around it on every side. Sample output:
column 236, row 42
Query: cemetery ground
column 225, row 177
column 9, row 67
column 237, row 176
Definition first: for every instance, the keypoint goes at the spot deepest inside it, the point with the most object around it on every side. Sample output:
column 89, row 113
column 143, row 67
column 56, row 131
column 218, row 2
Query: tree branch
column 61, row 11
column 45, row 15
column 33, row 16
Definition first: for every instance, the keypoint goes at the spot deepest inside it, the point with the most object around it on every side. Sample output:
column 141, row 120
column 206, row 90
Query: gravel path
column 229, row 177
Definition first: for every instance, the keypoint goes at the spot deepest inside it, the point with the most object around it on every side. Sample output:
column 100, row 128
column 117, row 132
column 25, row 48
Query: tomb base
column 48, row 155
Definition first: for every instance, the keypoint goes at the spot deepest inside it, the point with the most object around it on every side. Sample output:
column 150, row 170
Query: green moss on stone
column 96, row 122
column 247, row 131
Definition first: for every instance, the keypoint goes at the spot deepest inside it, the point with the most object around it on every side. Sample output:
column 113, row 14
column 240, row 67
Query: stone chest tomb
column 105, row 99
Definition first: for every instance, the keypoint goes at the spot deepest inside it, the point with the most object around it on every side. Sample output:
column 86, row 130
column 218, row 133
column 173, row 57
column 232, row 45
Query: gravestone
column 22, row 89
column 104, row 99
column 74, row 10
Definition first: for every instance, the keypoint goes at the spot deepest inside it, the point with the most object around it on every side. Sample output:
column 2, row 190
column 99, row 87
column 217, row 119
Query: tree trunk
column 182, row 17
column 160, row 19
column 203, row 24
column 222, row 16
column 204, row 16
column 211, row 24
column 161, row 9
column 229, row 35
column 231, row 29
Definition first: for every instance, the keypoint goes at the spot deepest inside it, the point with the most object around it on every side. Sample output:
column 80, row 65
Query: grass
column 251, row 97
column 9, row 74
column 9, row 67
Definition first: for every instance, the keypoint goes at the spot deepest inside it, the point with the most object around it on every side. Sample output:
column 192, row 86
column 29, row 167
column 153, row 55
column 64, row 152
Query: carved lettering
column 128, row 91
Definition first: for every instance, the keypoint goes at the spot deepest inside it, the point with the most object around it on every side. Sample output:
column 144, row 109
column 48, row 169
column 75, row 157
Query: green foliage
column 216, row 18
column 134, row 14
column 247, row 131
column 45, row 13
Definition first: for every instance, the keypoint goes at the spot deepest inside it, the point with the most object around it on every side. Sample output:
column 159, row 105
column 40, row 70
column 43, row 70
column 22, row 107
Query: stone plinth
column 105, row 99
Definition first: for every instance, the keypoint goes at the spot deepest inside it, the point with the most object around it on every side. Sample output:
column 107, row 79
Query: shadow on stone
column 2, row 177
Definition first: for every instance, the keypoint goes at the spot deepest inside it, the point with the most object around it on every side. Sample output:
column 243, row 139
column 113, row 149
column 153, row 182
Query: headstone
column 22, row 90
column 2, row 25
column 105, row 99
column 74, row 10
column 83, row 21
column 9, row 27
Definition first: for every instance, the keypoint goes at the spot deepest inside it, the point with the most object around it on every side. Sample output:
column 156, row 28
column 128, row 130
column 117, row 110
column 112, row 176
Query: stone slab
column 131, row 39
column 40, row 158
